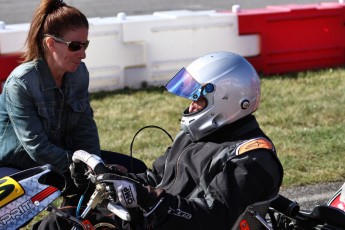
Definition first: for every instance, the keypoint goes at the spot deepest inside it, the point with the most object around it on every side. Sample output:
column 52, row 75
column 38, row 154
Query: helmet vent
column 245, row 104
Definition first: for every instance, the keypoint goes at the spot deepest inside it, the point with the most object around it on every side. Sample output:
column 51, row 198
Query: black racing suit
column 208, row 185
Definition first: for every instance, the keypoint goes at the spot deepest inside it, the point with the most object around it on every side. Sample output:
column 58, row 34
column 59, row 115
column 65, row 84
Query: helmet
column 227, row 81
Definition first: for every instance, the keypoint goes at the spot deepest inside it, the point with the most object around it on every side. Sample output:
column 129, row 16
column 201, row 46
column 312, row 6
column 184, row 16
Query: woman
column 45, row 112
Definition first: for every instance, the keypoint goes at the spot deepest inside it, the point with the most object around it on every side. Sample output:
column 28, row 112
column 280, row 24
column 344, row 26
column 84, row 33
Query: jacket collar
column 233, row 131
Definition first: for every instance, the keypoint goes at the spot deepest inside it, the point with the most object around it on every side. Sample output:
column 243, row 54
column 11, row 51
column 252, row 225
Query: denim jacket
column 41, row 123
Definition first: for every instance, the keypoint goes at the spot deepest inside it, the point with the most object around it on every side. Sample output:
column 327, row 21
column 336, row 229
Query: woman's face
column 65, row 60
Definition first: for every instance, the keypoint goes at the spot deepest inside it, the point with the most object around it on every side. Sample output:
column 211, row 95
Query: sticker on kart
column 10, row 190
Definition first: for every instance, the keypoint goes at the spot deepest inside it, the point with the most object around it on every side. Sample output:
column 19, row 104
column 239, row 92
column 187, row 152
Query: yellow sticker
column 258, row 143
column 9, row 190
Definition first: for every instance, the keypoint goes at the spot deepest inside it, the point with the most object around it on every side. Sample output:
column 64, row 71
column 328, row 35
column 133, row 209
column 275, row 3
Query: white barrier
column 12, row 37
column 107, row 56
column 133, row 51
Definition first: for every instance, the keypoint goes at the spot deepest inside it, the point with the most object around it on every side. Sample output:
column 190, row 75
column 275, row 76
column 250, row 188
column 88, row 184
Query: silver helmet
column 227, row 81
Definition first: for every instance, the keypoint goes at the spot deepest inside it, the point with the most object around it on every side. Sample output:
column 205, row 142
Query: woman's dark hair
column 52, row 17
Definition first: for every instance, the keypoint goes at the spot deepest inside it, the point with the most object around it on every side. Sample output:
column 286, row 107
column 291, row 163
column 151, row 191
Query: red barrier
column 7, row 63
column 296, row 37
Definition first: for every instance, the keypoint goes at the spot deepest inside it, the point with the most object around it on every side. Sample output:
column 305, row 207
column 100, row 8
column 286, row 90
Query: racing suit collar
column 234, row 130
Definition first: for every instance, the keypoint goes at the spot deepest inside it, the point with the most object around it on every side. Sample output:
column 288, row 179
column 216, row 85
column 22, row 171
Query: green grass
column 121, row 114
column 304, row 116
column 302, row 113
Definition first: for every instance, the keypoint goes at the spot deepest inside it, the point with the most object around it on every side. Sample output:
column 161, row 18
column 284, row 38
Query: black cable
column 145, row 127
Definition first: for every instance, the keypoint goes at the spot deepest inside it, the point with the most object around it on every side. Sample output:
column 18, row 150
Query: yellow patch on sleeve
column 258, row 143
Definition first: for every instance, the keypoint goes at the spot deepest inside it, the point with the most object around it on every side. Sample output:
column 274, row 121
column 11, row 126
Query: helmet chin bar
column 196, row 129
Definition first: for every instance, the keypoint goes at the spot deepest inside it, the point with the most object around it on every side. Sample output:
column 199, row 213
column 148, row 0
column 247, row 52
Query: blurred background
column 20, row 11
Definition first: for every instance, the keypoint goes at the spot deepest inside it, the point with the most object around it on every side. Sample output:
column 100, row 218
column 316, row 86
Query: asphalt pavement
column 311, row 195
column 21, row 11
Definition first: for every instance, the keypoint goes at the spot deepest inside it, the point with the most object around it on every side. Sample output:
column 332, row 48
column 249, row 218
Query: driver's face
column 198, row 105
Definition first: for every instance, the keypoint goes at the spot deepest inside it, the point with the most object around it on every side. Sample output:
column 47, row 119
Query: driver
column 219, row 163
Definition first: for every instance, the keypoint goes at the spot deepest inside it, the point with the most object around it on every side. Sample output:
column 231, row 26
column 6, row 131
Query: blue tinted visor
column 184, row 85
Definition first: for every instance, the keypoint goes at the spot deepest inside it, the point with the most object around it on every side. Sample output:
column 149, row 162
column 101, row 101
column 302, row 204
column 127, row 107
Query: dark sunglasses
column 72, row 45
